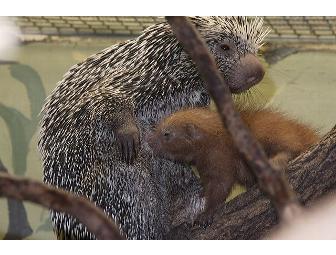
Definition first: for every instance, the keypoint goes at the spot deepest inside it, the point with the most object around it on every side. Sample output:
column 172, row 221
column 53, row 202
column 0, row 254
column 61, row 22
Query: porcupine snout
column 254, row 71
column 249, row 72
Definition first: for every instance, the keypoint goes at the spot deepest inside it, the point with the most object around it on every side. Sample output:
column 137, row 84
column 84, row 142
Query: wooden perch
column 272, row 182
column 86, row 212
column 251, row 216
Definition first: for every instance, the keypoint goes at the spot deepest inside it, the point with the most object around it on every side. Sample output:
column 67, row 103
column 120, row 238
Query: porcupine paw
column 203, row 220
column 128, row 139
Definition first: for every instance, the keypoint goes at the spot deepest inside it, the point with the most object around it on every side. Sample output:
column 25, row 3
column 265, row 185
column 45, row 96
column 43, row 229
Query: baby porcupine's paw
column 128, row 139
column 204, row 220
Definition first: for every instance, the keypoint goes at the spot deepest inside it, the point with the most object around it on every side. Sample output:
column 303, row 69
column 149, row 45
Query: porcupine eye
column 225, row 47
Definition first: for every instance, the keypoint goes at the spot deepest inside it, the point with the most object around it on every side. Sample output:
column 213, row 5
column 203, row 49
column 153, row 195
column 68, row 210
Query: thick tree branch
column 28, row 190
column 251, row 216
column 272, row 182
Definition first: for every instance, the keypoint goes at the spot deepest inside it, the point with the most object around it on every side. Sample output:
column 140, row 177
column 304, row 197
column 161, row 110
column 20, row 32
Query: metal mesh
column 283, row 28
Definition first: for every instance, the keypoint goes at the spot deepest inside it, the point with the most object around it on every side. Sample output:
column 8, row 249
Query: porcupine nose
column 254, row 71
column 248, row 73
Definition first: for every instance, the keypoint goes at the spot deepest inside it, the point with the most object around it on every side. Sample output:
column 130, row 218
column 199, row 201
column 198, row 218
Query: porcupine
column 93, row 123
column 197, row 136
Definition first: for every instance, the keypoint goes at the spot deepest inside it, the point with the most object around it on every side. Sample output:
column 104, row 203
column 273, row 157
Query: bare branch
column 86, row 212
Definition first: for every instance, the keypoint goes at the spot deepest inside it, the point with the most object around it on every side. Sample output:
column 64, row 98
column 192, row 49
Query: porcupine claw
column 128, row 140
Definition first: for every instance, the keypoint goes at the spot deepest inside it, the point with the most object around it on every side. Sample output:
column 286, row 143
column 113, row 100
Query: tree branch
column 86, row 212
column 272, row 182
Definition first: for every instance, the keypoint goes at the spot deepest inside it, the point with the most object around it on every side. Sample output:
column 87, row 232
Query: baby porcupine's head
column 183, row 135
column 234, row 42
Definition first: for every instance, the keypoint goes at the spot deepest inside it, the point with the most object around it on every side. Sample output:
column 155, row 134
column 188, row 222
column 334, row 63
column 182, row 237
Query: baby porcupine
column 197, row 136
column 93, row 123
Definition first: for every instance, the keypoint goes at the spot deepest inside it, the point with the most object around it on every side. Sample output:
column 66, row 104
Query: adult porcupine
column 94, row 121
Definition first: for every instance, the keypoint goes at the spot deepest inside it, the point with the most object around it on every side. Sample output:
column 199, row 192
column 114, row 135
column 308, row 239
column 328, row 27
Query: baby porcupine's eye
column 166, row 135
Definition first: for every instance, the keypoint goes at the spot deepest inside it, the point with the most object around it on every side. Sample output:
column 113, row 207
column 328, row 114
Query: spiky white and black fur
column 146, row 79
